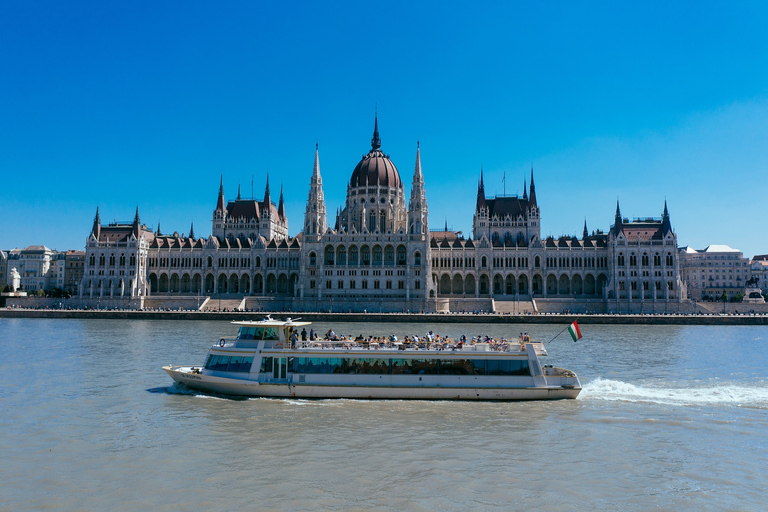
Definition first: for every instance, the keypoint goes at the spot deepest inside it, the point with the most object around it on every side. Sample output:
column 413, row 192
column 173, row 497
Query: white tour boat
column 263, row 361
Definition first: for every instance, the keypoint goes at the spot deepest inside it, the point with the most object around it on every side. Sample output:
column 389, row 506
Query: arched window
column 92, row 260
column 484, row 262
column 133, row 259
column 389, row 255
column 122, row 259
column 383, row 221
column 372, row 221
column 102, row 260
column 417, row 258
column 312, row 259
column 329, row 255
column 377, row 255
column 401, row 255
column 365, row 255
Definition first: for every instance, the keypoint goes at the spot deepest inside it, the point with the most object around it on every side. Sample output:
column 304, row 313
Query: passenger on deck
column 303, row 335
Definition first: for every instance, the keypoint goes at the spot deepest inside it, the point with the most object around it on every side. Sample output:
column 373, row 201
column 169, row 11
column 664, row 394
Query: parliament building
column 378, row 254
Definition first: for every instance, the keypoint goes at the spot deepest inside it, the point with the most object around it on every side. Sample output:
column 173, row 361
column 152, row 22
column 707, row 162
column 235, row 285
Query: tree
column 738, row 297
column 724, row 297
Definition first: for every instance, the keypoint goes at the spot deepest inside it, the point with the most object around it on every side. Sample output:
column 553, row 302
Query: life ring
column 221, row 342
column 278, row 345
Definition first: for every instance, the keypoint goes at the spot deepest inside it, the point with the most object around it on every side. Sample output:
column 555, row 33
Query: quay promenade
column 426, row 318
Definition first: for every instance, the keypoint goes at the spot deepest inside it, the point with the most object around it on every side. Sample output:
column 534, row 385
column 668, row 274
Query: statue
column 15, row 280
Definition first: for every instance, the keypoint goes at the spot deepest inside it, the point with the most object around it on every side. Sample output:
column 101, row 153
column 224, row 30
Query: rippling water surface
column 670, row 418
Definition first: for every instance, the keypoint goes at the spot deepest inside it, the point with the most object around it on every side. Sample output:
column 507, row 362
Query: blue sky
column 119, row 104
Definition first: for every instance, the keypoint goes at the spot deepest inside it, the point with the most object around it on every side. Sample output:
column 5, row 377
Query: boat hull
column 251, row 388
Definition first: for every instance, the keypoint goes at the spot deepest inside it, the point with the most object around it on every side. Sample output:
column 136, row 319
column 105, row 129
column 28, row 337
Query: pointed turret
column 533, row 191
column 238, row 192
column 525, row 190
column 96, row 230
column 666, row 225
column 221, row 205
column 585, row 234
column 480, row 193
column 192, row 230
column 618, row 222
column 136, row 223
column 376, row 141
column 281, row 204
column 267, row 198
column 418, row 212
column 315, row 220
column 158, row 233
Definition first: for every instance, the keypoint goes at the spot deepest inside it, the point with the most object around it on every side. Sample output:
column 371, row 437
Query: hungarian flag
column 575, row 332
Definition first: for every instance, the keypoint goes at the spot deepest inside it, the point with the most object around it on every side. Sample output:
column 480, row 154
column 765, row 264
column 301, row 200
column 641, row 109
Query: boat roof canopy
column 270, row 322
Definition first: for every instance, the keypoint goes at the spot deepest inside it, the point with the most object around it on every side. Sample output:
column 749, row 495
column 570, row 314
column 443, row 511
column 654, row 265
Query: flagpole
column 561, row 332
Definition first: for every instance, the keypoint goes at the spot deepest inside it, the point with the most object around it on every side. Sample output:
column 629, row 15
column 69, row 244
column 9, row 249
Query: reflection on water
column 90, row 421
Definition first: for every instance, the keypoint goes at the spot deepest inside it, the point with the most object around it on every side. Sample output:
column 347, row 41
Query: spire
column 281, row 205
column 267, row 198
column 417, row 172
column 480, row 193
column 136, row 223
column 316, row 178
column 533, row 190
column 376, row 141
column 666, row 225
column 585, row 234
column 446, row 224
column 618, row 223
column 220, row 204
column 159, row 233
column 96, row 231
column 238, row 191
column 525, row 191
column 192, row 230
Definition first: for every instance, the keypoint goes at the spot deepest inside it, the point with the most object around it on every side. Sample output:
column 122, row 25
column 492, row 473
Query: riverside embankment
column 427, row 318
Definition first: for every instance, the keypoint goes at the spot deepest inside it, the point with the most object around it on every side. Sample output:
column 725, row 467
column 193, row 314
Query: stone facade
column 710, row 272
column 378, row 254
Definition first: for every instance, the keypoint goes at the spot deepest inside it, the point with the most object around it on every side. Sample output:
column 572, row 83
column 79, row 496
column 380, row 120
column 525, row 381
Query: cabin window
column 259, row 333
column 229, row 363
column 375, row 366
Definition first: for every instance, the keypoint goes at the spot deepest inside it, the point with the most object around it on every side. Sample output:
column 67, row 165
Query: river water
column 670, row 418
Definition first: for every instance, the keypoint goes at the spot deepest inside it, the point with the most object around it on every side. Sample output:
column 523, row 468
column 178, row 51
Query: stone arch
column 245, row 284
column 522, row 284
column 401, row 257
column 365, row 255
column 564, row 285
column 537, row 284
column 209, row 283
column 551, row 284
column 153, row 283
column 222, row 284
column 469, row 284
column 445, row 284
column 589, row 284
column 175, row 284
column 577, row 285
column 163, row 287
column 485, row 284
column 293, row 283
column 417, row 258
column 329, row 255
column 186, row 283
column 498, row 284
column 602, row 282
column 341, row 255
column 389, row 255
column 458, row 285
column 354, row 255
column 282, row 284
column 271, row 284
column 234, row 284
column 377, row 255
column 510, row 287
column 258, row 283
column 197, row 281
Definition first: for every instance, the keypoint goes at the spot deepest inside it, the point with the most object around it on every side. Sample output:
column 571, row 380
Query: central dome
column 375, row 168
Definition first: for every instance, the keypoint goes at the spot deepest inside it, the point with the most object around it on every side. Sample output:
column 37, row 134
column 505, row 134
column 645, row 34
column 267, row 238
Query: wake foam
column 706, row 394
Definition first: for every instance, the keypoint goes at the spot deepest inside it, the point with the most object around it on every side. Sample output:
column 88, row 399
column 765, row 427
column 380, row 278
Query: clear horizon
column 143, row 104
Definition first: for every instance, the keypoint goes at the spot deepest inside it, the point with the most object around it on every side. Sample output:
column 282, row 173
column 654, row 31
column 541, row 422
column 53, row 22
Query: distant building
column 74, row 267
column 759, row 272
column 377, row 252
column 711, row 272
column 4, row 279
column 33, row 265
